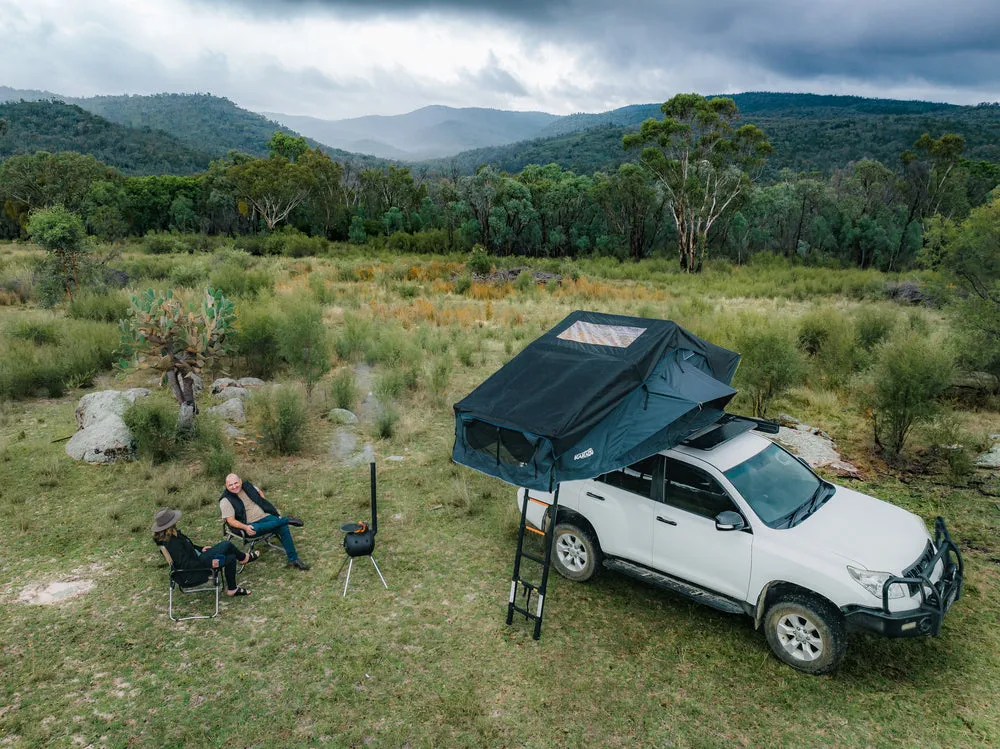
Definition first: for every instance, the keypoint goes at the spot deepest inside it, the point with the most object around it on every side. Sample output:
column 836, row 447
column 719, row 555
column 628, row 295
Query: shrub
column 769, row 365
column 302, row 340
column 162, row 243
column 463, row 283
column 385, row 422
column 256, row 340
column 872, row 326
column 279, row 413
column 188, row 274
column 153, row 425
column 353, row 338
column 828, row 337
column 235, row 281
column 109, row 307
column 479, row 262
column 343, row 389
column 909, row 374
column 440, row 374
column 464, row 350
column 525, row 282
column 209, row 444
column 391, row 384
column 39, row 332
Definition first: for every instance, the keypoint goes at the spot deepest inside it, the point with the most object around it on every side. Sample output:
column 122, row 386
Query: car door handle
column 595, row 496
column 666, row 520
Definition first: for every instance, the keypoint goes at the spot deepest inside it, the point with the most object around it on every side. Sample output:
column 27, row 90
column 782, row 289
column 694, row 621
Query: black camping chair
column 359, row 540
column 210, row 578
column 268, row 539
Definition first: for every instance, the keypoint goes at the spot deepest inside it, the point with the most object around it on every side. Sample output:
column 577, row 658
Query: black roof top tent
column 595, row 393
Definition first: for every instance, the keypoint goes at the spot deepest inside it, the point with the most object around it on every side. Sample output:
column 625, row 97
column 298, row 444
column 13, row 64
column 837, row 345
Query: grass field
column 430, row 662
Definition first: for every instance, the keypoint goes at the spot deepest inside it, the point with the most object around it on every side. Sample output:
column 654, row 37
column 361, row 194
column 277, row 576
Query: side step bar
column 665, row 582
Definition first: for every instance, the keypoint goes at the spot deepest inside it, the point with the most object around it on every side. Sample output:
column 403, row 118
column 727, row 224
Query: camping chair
column 177, row 575
column 271, row 539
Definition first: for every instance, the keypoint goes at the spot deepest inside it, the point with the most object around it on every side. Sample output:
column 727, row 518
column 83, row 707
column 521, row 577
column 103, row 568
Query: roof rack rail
column 726, row 428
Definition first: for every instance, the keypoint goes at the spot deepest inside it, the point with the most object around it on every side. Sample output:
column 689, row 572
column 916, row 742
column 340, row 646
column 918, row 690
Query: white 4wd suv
column 740, row 524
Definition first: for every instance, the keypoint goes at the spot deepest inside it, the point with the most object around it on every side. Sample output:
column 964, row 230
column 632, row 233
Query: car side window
column 693, row 490
column 636, row 478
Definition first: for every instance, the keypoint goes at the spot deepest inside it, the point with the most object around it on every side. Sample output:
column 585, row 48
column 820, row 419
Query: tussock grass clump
column 209, row 444
column 37, row 331
column 343, row 389
column 386, row 422
column 108, row 307
column 354, row 337
column 233, row 280
column 279, row 414
column 153, row 424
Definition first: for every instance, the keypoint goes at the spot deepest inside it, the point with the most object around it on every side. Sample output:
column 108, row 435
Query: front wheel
column 576, row 554
column 807, row 633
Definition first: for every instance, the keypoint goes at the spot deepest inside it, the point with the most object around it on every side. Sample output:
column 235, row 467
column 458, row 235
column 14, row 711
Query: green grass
column 430, row 662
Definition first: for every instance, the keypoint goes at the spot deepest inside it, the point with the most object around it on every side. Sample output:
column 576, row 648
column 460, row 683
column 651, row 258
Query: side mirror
column 729, row 521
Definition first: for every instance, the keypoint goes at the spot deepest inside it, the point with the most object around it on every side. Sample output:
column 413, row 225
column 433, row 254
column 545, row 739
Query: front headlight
column 874, row 582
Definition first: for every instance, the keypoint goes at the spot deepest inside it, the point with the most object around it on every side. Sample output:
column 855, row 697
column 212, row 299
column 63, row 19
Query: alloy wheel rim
column 571, row 552
column 800, row 637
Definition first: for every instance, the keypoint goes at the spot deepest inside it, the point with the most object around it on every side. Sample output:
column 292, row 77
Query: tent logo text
column 585, row 454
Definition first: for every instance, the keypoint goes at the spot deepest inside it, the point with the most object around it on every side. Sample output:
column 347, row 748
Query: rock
column 235, row 392
column 395, row 458
column 133, row 394
column 787, row 421
column 816, row 448
column 343, row 416
column 232, row 410
column 221, row 384
column 991, row 458
column 197, row 384
column 233, row 433
column 104, row 441
column 251, row 382
column 94, row 407
column 342, row 445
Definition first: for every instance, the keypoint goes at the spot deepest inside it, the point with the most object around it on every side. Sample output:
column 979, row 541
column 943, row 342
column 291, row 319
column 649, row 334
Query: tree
column 288, row 147
column 974, row 259
column 274, row 187
column 62, row 235
column 702, row 162
column 303, row 341
column 631, row 206
column 178, row 340
column 770, row 365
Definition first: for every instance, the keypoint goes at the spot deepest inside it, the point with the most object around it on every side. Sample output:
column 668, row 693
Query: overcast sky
column 344, row 58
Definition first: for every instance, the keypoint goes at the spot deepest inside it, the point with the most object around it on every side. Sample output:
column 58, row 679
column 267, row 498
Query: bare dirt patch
column 79, row 582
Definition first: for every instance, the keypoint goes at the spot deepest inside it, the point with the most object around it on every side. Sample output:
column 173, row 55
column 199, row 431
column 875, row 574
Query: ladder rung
column 534, row 530
column 539, row 502
column 532, row 557
column 525, row 612
column 526, row 584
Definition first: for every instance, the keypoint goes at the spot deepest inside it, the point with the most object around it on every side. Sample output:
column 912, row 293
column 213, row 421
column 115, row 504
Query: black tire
column 806, row 632
column 576, row 555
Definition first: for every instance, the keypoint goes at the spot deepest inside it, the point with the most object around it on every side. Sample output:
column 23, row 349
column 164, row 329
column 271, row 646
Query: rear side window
column 693, row 490
column 636, row 478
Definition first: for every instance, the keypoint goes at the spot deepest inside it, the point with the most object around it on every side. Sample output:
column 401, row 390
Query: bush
column 479, row 262
column 525, row 282
column 209, row 444
column 909, row 375
column 234, row 281
column 188, row 274
column 769, row 365
column 38, row 332
column 279, row 413
column 828, row 337
column 385, row 422
column 440, row 374
column 162, row 243
column 343, row 389
column 256, row 340
column 463, row 283
column 302, row 340
column 872, row 326
column 153, row 425
column 353, row 338
column 109, row 307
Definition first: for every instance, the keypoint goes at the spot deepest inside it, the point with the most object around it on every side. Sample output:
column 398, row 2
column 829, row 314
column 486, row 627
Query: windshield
column 774, row 484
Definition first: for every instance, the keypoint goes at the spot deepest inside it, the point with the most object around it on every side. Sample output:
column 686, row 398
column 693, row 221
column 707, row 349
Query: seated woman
column 187, row 556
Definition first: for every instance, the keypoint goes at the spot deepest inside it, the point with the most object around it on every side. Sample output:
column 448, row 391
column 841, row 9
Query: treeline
column 866, row 214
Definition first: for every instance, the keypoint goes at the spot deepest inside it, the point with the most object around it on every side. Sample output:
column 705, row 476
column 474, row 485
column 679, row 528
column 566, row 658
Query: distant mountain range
column 429, row 132
column 179, row 132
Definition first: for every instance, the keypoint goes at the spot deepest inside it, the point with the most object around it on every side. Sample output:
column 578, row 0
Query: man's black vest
column 254, row 495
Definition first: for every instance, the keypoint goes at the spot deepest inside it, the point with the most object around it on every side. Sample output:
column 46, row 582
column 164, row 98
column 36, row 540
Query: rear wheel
column 576, row 554
column 807, row 633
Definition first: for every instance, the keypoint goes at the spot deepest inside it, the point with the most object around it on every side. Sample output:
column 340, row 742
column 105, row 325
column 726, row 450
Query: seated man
column 243, row 507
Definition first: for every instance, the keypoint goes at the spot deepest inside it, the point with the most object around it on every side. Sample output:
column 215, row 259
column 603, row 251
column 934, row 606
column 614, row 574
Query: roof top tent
column 595, row 393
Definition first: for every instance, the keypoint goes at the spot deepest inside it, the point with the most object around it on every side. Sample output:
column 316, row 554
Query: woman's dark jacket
column 186, row 557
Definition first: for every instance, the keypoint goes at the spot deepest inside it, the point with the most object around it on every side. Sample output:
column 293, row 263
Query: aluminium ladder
column 519, row 585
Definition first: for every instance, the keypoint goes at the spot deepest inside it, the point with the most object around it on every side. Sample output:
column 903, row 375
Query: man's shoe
column 295, row 521
column 299, row 565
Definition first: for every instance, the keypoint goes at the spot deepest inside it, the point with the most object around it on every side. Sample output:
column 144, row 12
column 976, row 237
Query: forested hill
column 55, row 126
column 809, row 132
column 209, row 123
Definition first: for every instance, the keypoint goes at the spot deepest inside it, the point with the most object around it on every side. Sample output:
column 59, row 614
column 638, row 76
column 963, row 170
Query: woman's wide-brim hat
column 164, row 519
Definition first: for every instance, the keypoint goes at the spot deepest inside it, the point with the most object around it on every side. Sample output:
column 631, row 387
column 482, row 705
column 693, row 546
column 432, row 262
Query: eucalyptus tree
column 703, row 163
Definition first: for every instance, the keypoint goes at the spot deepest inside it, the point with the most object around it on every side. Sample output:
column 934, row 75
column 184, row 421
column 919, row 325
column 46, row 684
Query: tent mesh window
column 506, row 445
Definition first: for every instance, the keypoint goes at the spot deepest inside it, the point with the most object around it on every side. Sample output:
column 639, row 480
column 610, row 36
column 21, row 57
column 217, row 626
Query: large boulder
column 234, row 392
column 232, row 410
column 251, row 382
column 221, row 384
column 991, row 458
column 103, row 436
